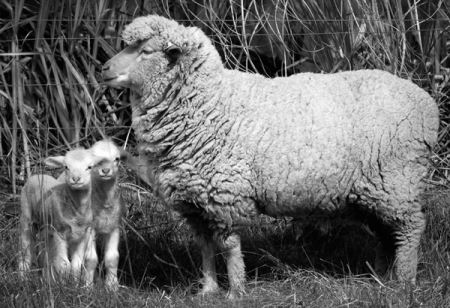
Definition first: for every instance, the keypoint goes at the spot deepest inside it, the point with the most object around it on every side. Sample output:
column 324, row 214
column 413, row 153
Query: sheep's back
column 301, row 144
column 39, row 196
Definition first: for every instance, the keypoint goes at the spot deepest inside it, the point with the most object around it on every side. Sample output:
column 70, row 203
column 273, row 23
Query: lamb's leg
column 210, row 284
column 407, row 234
column 90, row 258
column 231, row 247
column 58, row 254
column 27, row 244
column 84, row 255
column 111, row 242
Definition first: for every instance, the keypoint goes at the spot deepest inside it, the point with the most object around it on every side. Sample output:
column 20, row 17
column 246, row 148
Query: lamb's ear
column 56, row 161
column 172, row 50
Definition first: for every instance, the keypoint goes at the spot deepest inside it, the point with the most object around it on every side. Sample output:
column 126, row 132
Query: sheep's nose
column 76, row 179
column 106, row 170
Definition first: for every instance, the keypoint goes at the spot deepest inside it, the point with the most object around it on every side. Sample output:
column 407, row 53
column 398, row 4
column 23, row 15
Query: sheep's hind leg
column 407, row 234
column 231, row 247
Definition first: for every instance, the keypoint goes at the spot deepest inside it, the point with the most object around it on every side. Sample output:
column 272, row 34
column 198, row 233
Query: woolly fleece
column 225, row 146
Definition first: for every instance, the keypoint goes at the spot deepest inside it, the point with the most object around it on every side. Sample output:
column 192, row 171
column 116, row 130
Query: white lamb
column 63, row 212
column 107, row 205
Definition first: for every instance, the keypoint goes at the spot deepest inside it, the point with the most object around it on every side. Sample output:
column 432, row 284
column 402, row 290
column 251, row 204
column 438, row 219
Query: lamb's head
column 158, row 49
column 109, row 168
column 77, row 165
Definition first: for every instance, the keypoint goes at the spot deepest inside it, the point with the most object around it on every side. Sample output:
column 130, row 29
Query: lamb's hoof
column 235, row 294
column 114, row 287
column 208, row 291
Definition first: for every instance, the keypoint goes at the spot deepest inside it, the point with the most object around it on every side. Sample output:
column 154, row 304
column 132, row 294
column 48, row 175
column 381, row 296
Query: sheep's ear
column 56, row 161
column 172, row 50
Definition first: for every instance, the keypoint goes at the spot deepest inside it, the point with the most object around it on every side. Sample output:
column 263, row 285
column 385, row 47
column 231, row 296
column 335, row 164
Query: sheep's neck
column 81, row 200
column 106, row 190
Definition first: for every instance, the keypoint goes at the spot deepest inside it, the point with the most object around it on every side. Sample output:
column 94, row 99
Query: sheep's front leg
column 57, row 254
column 111, row 242
column 210, row 284
column 231, row 247
column 27, row 244
column 84, row 255
column 91, row 258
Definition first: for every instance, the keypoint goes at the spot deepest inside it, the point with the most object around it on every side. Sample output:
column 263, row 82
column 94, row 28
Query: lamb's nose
column 76, row 179
column 105, row 170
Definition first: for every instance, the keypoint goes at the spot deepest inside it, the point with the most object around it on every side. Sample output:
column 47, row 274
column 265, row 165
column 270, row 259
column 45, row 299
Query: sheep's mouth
column 109, row 79
column 112, row 82
column 77, row 186
column 106, row 177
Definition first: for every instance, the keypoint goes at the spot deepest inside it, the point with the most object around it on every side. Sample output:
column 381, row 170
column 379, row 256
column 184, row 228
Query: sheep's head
column 156, row 46
column 77, row 165
column 112, row 155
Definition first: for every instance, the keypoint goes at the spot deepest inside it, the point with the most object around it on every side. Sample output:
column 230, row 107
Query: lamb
column 108, row 206
column 224, row 146
column 63, row 212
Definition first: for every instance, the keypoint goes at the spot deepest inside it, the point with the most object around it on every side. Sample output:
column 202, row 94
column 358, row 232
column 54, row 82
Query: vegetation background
column 52, row 99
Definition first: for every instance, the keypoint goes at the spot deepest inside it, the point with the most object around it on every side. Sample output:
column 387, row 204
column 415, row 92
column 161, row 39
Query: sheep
column 63, row 212
column 225, row 146
column 108, row 206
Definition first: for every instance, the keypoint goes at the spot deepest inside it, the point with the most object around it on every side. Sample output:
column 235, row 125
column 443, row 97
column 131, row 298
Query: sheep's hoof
column 208, row 290
column 235, row 294
column 112, row 287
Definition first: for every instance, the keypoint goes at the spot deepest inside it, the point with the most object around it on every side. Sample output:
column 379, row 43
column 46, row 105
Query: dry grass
column 160, row 267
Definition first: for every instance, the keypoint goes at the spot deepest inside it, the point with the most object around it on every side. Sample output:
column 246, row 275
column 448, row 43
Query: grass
column 159, row 266
column 52, row 99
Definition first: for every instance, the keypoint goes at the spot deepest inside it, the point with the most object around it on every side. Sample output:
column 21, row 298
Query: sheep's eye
column 147, row 51
column 89, row 168
column 66, row 168
column 117, row 159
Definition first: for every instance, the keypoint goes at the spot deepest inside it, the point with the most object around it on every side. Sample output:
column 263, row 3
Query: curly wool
column 225, row 146
column 236, row 143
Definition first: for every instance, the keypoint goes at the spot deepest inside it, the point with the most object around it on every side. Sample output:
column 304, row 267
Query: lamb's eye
column 66, row 168
column 89, row 168
column 147, row 51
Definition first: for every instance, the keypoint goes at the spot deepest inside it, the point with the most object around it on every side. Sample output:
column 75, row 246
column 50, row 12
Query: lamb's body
column 107, row 205
column 62, row 210
column 224, row 146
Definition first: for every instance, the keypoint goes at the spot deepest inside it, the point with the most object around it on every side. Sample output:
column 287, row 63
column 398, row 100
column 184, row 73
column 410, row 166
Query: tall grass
column 52, row 98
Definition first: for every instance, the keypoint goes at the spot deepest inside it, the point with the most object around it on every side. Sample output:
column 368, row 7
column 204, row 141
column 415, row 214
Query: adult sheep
column 224, row 146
